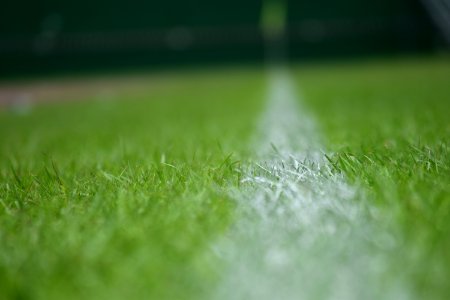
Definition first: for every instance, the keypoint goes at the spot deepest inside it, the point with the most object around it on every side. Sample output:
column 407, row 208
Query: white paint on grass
column 302, row 233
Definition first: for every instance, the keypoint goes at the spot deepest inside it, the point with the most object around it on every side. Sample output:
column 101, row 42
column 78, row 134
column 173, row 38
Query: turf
column 388, row 124
column 117, row 199
column 124, row 198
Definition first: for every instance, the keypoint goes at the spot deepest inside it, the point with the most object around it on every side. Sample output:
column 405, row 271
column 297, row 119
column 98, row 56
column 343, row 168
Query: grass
column 124, row 198
column 109, row 200
column 389, row 127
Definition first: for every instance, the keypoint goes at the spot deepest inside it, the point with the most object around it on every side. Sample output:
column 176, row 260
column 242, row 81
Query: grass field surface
column 388, row 125
column 128, row 197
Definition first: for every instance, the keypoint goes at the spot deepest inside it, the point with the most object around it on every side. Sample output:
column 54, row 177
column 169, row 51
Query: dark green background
column 50, row 35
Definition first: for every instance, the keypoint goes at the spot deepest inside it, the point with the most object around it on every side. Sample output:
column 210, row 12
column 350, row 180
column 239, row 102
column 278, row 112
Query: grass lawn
column 123, row 198
column 388, row 124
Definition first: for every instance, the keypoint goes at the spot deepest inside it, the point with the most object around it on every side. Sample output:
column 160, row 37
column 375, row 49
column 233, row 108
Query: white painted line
column 302, row 232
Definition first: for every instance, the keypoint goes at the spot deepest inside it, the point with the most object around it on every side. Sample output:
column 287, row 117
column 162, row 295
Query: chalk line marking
column 301, row 234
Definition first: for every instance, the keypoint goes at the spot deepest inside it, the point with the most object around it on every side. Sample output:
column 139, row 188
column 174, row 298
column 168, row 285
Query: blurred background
column 39, row 37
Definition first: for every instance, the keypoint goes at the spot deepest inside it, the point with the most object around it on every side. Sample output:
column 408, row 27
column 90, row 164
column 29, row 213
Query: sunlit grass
column 389, row 127
column 123, row 199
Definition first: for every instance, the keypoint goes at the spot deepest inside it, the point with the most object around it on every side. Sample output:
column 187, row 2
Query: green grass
column 124, row 198
column 389, row 126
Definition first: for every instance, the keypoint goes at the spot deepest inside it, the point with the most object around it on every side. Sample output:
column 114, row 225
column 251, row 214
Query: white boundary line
column 301, row 235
